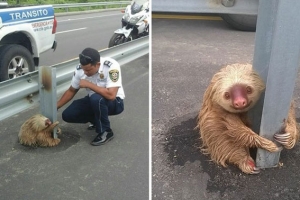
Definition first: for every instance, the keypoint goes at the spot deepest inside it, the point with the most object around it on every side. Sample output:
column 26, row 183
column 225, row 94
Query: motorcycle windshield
column 135, row 8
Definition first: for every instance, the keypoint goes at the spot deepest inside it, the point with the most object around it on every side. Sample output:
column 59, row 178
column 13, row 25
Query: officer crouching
column 103, row 83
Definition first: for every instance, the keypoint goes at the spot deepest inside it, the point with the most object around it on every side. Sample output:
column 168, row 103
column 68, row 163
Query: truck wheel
column 15, row 60
column 241, row 22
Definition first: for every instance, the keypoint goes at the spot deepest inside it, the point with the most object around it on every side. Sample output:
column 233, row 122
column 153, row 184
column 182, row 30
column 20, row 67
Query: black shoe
column 102, row 138
column 91, row 127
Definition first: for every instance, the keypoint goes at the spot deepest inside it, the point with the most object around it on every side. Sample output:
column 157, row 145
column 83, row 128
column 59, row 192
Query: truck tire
column 15, row 60
column 241, row 22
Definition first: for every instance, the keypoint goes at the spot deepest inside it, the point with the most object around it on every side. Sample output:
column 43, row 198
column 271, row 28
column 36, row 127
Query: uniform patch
column 114, row 75
column 78, row 67
column 108, row 63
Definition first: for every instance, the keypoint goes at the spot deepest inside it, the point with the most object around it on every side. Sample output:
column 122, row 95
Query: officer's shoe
column 103, row 138
column 91, row 127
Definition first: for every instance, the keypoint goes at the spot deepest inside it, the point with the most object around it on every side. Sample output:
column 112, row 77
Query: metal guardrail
column 23, row 92
column 91, row 4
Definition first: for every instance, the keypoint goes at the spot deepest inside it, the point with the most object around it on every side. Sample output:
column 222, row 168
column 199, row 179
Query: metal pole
column 48, row 96
column 276, row 59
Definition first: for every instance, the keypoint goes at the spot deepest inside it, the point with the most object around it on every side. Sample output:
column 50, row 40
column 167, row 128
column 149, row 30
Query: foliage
column 51, row 2
column 39, row 2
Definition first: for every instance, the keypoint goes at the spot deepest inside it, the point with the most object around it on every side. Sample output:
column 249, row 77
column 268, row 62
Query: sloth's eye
column 226, row 95
column 249, row 90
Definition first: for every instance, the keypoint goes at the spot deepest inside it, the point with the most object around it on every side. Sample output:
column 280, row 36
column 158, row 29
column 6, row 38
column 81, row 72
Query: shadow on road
column 182, row 147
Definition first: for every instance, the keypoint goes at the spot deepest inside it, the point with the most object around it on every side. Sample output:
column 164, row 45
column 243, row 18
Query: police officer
column 103, row 82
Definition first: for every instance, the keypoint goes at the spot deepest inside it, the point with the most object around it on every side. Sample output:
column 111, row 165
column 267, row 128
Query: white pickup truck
column 25, row 33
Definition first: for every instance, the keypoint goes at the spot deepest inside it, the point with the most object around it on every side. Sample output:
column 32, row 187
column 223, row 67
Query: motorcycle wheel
column 116, row 39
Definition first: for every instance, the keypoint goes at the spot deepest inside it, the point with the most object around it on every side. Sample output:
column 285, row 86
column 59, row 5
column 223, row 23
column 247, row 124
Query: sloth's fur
column 37, row 131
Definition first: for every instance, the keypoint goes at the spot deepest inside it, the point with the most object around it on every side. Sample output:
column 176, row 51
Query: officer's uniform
column 94, row 108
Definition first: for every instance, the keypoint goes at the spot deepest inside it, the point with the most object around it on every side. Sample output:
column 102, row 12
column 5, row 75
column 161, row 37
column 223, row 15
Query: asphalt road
column 185, row 55
column 75, row 169
column 75, row 32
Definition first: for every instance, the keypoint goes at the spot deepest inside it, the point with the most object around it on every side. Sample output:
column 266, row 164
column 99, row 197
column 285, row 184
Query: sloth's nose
column 239, row 103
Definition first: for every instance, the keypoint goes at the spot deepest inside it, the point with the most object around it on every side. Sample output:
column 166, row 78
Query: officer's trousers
column 94, row 109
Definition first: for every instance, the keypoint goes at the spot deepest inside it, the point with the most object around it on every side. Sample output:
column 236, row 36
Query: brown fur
column 37, row 131
column 225, row 131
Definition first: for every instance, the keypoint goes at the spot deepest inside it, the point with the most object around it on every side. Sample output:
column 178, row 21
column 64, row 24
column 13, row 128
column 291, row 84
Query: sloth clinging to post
column 223, row 122
column 37, row 131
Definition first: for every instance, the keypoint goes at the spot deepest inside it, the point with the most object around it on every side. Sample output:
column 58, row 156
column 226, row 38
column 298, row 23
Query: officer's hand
column 84, row 83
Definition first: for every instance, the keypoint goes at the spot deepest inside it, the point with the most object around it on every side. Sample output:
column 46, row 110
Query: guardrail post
column 276, row 59
column 47, row 91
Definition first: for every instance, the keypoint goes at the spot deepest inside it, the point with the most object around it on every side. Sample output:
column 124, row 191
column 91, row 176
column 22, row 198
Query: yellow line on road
column 165, row 16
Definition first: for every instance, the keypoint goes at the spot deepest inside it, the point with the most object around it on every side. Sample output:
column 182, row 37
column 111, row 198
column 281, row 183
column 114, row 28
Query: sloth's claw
column 255, row 170
column 283, row 138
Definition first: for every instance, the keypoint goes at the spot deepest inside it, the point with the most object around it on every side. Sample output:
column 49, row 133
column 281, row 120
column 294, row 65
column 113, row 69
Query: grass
column 59, row 10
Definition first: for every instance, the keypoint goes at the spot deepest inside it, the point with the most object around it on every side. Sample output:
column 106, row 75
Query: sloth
column 37, row 131
column 224, row 125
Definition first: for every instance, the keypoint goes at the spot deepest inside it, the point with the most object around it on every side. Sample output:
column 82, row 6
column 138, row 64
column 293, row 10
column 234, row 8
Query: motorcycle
column 134, row 24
